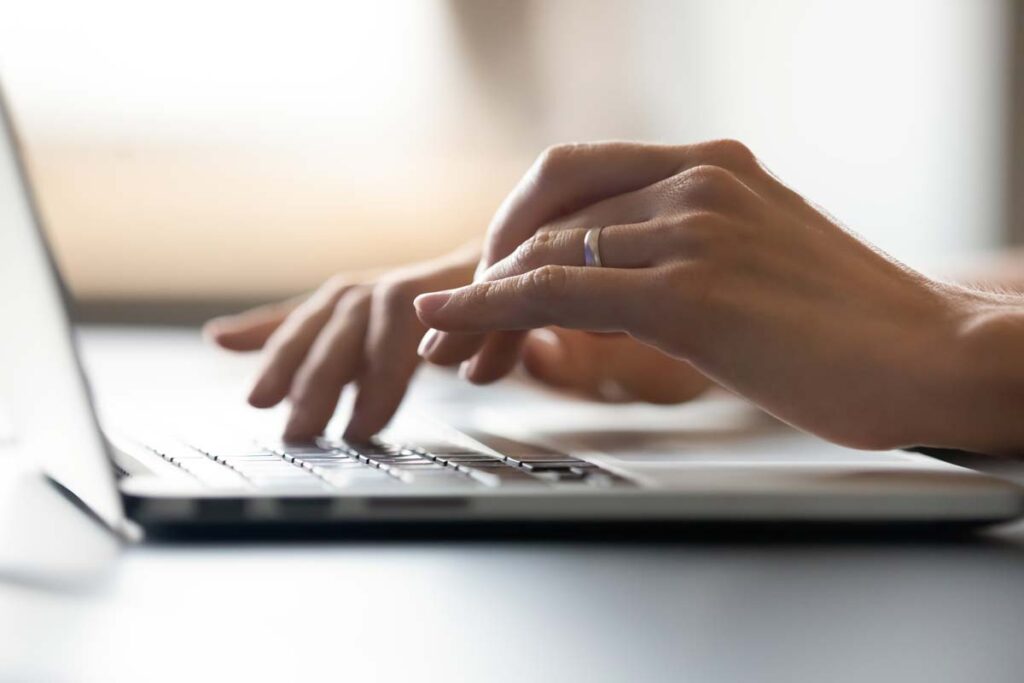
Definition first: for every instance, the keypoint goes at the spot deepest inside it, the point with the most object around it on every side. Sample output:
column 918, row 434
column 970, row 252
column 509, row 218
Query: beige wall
column 221, row 149
column 235, row 222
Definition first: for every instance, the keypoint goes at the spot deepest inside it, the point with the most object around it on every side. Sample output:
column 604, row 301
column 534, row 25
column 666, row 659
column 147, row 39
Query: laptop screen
column 43, row 393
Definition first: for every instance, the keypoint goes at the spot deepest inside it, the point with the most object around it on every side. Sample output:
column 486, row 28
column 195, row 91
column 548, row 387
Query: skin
column 712, row 261
column 713, row 264
column 361, row 329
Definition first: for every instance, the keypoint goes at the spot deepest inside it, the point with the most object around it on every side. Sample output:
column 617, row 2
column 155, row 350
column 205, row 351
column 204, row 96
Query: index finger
column 249, row 330
column 595, row 299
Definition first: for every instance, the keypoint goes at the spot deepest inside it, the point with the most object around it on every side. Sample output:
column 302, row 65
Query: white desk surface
column 75, row 605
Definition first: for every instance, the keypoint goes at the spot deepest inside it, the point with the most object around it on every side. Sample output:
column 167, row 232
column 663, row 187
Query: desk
column 365, row 610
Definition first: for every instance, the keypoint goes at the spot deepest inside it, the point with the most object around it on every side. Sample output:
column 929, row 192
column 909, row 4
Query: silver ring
column 592, row 247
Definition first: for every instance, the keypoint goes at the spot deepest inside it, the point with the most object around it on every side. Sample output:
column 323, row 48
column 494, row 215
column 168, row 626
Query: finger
column 447, row 348
column 567, row 178
column 389, row 359
column 332, row 362
column 496, row 358
column 249, row 330
column 289, row 343
column 609, row 369
column 493, row 355
column 600, row 299
column 688, row 207
column 620, row 246
column 442, row 348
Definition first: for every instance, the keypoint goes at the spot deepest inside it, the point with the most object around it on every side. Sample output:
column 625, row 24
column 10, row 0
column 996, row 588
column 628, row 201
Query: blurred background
column 200, row 155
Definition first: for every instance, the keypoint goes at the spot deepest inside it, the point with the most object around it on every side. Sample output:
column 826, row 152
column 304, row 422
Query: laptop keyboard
column 336, row 465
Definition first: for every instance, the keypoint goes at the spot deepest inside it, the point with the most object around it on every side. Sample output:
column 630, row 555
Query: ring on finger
column 592, row 247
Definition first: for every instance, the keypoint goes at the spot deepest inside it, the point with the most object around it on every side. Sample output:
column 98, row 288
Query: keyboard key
column 262, row 479
column 324, row 459
column 295, row 448
column 441, row 448
column 212, row 474
column 418, row 466
column 402, row 459
column 442, row 477
column 174, row 450
column 340, row 465
column 364, row 472
column 225, row 447
column 552, row 466
column 367, row 448
column 502, row 476
column 360, row 479
column 474, row 458
column 236, row 460
column 272, row 469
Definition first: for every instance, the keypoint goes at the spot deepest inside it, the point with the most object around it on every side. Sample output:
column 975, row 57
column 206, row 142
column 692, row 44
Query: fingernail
column 255, row 395
column 428, row 342
column 465, row 368
column 546, row 337
column 426, row 304
column 211, row 329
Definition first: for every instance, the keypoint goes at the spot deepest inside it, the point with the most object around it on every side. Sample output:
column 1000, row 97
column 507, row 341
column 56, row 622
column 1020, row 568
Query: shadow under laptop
column 647, row 533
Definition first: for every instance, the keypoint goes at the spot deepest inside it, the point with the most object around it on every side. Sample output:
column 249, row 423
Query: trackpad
column 781, row 446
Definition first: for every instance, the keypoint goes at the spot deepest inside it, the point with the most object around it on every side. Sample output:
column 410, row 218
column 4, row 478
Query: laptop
column 140, row 482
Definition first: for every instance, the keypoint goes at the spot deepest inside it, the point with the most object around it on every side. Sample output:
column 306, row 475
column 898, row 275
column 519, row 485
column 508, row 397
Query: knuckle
column 548, row 282
column 698, row 221
column 397, row 295
column 554, row 159
column 709, row 186
column 732, row 153
column 335, row 286
column 355, row 298
column 534, row 252
column 482, row 296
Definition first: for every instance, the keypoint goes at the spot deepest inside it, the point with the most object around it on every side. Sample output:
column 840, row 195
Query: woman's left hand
column 721, row 265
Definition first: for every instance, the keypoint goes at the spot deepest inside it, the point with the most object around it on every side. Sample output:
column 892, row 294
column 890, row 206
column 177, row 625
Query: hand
column 360, row 329
column 562, row 180
column 718, row 263
column 364, row 329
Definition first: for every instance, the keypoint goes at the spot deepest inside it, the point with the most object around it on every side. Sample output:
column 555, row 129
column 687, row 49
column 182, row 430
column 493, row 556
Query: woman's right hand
column 356, row 328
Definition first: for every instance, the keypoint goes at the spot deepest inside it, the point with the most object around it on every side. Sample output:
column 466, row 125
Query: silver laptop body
column 523, row 457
